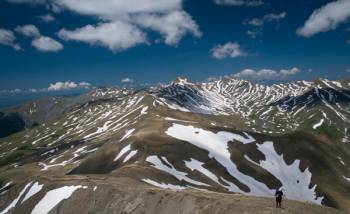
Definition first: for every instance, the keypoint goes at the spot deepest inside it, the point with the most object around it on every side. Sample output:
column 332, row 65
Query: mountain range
column 183, row 144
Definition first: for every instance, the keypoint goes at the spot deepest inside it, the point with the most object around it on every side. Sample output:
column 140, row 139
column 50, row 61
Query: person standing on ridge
column 279, row 195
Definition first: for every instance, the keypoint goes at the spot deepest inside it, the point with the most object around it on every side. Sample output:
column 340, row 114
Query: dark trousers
column 278, row 202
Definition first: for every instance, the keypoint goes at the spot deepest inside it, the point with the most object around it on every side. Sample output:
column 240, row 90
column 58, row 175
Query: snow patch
column 130, row 155
column 173, row 119
column 16, row 200
column 181, row 176
column 315, row 126
column 127, row 134
column 194, row 164
column 217, row 146
column 34, row 189
column 54, row 197
column 346, row 178
column 144, row 110
column 295, row 182
column 6, row 185
column 341, row 161
column 122, row 152
column 163, row 185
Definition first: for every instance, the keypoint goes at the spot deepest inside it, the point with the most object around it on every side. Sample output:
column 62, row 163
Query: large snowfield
column 295, row 182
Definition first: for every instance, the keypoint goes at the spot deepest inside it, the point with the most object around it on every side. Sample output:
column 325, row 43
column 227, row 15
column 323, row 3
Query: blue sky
column 101, row 43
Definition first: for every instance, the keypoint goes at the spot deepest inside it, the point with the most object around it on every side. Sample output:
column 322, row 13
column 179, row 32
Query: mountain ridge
column 220, row 137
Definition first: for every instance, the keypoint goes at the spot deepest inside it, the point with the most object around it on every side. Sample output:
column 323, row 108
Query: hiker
column 279, row 195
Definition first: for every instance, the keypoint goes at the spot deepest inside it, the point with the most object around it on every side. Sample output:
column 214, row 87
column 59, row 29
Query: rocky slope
column 228, row 137
column 276, row 109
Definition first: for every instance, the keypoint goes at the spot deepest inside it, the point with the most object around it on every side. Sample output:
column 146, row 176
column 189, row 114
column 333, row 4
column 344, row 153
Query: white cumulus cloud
column 8, row 38
column 173, row 25
column 258, row 23
column 10, row 91
column 266, row 18
column 39, row 42
column 228, row 50
column 127, row 80
column 57, row 86
column 46, row 18
column 46, row 44
column 136, row 18
column 114, row 9
column 251, row 3
column 68, row 85
column 326, row 18
column 84, row 85
column 115, row 36
column 254, row 33
column 28, row 30
column 266, row 74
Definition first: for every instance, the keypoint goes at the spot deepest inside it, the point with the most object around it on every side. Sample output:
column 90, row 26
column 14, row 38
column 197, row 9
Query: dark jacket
column 279, row 194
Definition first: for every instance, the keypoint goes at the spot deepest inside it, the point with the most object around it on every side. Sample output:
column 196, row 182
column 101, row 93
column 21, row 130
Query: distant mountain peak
column 182, row 81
